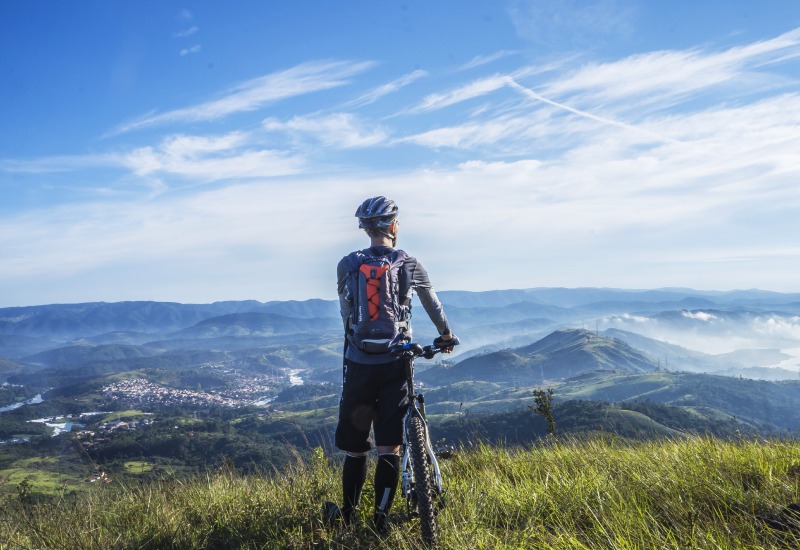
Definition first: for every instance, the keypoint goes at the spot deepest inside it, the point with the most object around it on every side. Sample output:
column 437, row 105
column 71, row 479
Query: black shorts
column 373, row 396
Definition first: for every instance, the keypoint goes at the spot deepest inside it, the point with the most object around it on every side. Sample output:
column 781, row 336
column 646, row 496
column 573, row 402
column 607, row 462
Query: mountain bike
column 421, row 483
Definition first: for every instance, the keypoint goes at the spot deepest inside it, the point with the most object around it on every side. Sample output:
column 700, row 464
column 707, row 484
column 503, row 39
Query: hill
column 770, row 406
column 255, row 323
column 597, row 493
column 562, row 354
column 88, row 353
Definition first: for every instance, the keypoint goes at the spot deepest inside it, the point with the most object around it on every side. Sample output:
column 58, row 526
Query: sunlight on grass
column 599, row 493
column 137, row 467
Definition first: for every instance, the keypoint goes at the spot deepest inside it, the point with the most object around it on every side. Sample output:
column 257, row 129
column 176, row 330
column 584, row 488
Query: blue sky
column 205, row 151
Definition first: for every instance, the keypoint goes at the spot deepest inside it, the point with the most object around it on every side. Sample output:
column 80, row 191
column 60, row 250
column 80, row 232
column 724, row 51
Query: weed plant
column 571, row 494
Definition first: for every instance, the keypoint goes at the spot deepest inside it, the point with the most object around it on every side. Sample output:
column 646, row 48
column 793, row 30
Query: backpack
column 379, row 310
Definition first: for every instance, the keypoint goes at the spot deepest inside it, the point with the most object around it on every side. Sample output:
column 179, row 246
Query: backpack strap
column 404, row 290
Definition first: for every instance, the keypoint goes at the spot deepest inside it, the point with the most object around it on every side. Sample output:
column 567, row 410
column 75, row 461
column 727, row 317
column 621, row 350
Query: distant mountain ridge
column 577, row 297
column 499, row 321
column 93, row 319
column 254, row 323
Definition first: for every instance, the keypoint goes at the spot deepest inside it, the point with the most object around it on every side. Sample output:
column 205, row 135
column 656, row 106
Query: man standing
column 375, row 287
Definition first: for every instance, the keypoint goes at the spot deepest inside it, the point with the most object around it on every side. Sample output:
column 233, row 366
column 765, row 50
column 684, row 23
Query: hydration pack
column 380, row 311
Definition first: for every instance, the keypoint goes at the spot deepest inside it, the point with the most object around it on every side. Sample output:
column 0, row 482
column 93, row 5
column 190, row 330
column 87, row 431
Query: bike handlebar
column 413, row 349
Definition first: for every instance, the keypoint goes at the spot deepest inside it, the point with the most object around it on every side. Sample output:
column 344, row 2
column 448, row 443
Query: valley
column 191, row 388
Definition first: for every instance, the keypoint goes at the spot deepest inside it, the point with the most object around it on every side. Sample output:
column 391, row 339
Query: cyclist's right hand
column 446, row 345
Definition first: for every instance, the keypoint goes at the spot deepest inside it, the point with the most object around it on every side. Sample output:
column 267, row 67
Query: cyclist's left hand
column 446, row 342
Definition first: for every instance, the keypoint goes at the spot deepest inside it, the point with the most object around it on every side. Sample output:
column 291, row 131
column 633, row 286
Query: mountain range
column 702, row 331
column 590, row 343
column 251, row 383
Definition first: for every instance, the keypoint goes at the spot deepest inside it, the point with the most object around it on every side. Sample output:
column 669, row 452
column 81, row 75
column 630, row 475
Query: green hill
column 562, row 354
column 593, row 494
column 88, row 353
column 771, row 406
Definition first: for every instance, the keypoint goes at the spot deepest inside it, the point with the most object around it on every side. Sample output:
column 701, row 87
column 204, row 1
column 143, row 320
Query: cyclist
column 374, row 389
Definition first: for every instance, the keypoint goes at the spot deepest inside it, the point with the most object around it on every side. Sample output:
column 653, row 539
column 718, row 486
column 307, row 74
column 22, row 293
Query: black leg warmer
column 354, row 473
column 387, row 474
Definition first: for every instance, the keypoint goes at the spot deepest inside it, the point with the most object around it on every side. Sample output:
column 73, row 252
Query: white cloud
column 469, row 135
column 661, row 78
column 596, row 118
column 343, row 130
column 188, row 32
column 575, row 190
column 625, row 94
column 234, row 238
column 199, row 159
column 469, row 91
column 787, row 328
column 635, row 318
column 480, row 60
column 194, row 49
column 385, row 89
column 206, row 159
column 253, row 94
column 699, row 316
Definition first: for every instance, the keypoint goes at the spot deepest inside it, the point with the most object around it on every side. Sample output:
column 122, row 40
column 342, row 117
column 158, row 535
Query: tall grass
column 594, row 494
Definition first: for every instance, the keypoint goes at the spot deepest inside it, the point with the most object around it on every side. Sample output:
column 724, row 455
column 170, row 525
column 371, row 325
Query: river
column 32, row 401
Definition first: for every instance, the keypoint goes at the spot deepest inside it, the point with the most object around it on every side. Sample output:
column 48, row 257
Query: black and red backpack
column 380, row 308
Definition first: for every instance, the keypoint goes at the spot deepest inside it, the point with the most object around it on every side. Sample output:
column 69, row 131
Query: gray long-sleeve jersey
column 412, row 275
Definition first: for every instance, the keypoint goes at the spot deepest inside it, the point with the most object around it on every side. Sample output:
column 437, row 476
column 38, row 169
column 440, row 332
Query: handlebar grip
column 440, row 342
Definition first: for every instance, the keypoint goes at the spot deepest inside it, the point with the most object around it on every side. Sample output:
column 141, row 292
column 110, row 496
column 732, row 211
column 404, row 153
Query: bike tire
column 423, row 485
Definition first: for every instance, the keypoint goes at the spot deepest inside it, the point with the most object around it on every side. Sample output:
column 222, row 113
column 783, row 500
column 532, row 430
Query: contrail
column 530, row 93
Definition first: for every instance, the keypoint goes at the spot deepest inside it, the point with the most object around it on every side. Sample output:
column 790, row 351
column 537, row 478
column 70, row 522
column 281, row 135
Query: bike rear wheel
column 423, row 483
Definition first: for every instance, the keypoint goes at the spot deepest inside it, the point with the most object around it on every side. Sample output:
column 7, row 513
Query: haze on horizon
column 151, row 151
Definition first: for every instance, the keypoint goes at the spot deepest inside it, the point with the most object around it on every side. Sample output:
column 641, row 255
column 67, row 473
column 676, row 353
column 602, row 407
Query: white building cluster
column 144, row 392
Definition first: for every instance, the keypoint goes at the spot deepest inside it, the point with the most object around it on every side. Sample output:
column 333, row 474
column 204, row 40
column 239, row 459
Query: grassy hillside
column 595, row 494
column 771, row 406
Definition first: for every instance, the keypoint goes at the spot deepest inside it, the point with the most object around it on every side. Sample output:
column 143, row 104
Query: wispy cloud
column 663, row 77
column 206, row 159
column 469, row 91
column 470, row 135
column 603, row 120
column 376, row 93
column 253, row 94
column 626, row 94
column 188, row 32
column 480, row 60
column 176, row 244
column 198, row 158
column 194, row 49
column 343, row 130
column 631, row 169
